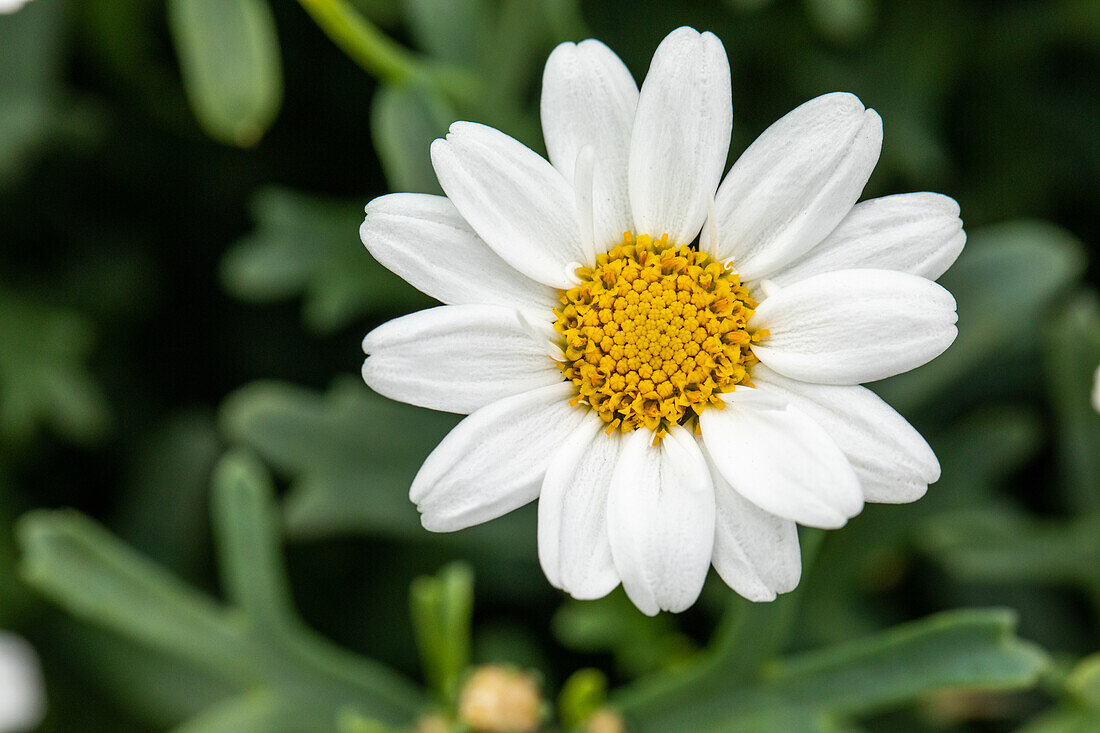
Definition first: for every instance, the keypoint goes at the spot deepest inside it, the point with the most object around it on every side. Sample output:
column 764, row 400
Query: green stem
column 378, row 54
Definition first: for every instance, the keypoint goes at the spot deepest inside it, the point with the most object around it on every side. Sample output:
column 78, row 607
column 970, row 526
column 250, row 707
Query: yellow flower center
column 654, row 333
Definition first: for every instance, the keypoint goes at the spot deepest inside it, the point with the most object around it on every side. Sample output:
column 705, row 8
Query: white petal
column 574, row 550
column 681, row 135
column 893, row 462
column 512, row 198
column 854, row 326
column 661, row 520
column 589, row 98
column 795, row 183
column 781, row 460
column 22, row 697
column 494, row 460
column 423, row 239
column 456, row 358
column 583, row 176
column 755, row 552
column 918, row 233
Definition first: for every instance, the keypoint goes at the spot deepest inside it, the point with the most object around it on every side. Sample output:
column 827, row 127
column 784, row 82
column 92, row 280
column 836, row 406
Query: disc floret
column 654, row 333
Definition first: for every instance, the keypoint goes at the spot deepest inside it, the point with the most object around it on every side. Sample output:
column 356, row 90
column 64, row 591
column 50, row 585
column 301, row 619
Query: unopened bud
column 500, row 700
column 605, row 720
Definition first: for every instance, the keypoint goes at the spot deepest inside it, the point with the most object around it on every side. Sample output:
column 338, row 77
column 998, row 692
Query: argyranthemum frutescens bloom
column 672, row 405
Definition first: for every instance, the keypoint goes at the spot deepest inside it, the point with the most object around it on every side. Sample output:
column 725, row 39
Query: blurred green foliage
column 181, row 185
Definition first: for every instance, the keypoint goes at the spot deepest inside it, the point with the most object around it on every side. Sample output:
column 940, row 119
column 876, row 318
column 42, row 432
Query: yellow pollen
column 654, row 333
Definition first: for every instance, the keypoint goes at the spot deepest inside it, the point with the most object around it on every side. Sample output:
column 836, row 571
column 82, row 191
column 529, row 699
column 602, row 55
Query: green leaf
column 405, row 120
column 246, row 522
column 30, row 74
column 1084, row 682
column 43, row 379
column 584, row 692
column 259, row 647
column 1009, row 546
column 1017, row 268
column 448, row 31
column 308, row 246
column 1064, row 720
column 229, row 58
column 258, row 712
column 351, row 456
column 442, row 608
column 161, row 690
column 81, row 566
column 974, row 649
column 1072, row 358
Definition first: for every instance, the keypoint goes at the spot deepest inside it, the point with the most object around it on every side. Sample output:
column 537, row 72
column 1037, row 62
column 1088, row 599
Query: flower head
column 669, row 365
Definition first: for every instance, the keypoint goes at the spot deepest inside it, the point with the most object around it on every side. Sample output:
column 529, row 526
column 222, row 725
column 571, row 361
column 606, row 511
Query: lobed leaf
column 309, row 246
column 974, row 649
column 258, row 648
column 43, row 378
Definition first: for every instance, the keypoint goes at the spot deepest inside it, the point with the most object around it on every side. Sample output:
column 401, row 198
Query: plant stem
column 378, row 54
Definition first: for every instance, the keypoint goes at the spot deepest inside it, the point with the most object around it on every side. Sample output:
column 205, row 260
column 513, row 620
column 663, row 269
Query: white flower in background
column 22, row 699
column 1096, row 390
column 698, row 400
column 10, row 6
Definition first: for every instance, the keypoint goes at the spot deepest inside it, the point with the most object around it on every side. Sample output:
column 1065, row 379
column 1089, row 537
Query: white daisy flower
column 22, row 699
column 671, row 405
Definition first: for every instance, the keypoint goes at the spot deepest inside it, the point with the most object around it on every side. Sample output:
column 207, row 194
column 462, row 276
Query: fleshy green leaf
column 351, row 456
column 1064, row 720
column 1084, row 682
column 258, row 647
column 442, row 608
column 974, row 649
column 308, row 246
column 258, row 712
column 30, row 72
column 1012, row 547
column 405, row 120
column 1072, row 359
column 448, row 31
column 582, row 695
column 229, row 57
column 43, row 380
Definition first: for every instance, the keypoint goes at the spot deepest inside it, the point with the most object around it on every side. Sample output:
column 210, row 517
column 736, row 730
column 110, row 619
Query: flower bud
column 500, row 700
column 605, row 720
